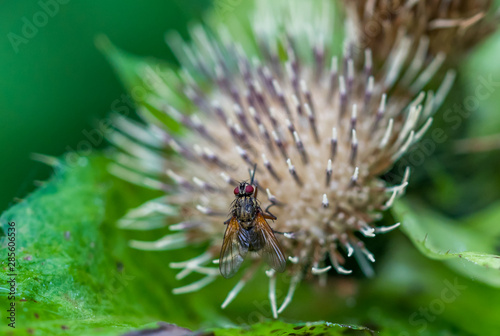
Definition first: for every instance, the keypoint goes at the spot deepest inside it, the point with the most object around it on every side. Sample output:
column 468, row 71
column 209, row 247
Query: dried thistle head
column 431, row 27
column 320, row 127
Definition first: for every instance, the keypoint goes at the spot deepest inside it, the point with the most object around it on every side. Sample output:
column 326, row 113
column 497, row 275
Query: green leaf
column 467, row 250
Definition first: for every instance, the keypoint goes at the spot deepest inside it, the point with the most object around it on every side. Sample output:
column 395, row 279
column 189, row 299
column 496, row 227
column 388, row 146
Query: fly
column 248, row 230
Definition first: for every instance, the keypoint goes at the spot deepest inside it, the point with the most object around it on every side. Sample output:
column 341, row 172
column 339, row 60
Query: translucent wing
column 265, row 242
column 234, row 248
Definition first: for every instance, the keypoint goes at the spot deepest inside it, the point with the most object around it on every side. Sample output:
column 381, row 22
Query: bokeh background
column 58, row 84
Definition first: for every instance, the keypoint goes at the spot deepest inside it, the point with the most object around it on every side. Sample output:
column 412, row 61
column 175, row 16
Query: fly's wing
column 234, row 248
column 271, row 250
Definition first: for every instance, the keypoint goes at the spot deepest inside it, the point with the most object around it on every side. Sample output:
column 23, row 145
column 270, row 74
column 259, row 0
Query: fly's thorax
column 245, row 209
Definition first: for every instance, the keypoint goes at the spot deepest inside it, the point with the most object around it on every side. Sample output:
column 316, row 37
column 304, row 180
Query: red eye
column 236, row 190
column 248, row 189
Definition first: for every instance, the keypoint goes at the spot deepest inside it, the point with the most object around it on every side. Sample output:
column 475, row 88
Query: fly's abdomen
column 256, row 243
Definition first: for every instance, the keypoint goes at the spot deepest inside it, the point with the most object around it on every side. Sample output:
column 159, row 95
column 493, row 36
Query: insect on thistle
column 248, row 230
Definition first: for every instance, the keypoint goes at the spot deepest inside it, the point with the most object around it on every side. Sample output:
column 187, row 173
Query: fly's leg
column 270, row 205
column 273, row 203
column 267, row 215
column 289, row 234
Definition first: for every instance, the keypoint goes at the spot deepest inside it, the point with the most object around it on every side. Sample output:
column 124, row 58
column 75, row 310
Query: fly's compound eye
column 236, row 190
column 248, row 189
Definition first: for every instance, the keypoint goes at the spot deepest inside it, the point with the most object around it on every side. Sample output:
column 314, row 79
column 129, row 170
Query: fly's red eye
column 236, row 190
column 248, row 189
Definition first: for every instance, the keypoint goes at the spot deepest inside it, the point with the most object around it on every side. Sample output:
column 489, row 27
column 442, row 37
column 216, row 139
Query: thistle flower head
column 321, row 128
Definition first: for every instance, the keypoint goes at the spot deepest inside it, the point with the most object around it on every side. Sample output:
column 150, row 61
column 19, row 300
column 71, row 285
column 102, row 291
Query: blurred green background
column 58, row 84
